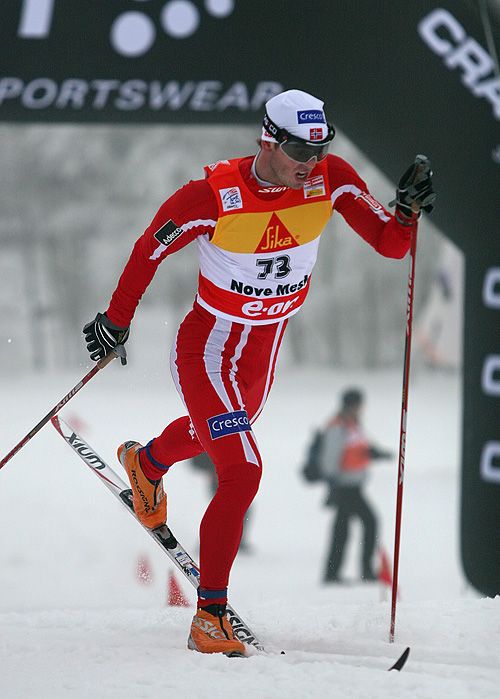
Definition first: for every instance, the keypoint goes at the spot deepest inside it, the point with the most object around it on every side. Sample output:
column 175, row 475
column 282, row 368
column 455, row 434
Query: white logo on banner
column 132, row 33
column 446, row 37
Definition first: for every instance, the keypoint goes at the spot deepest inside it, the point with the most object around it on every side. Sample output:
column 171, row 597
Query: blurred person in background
column 257, row 222
column 345, row 457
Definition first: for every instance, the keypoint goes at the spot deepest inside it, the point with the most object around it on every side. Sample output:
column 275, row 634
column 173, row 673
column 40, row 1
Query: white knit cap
column 299, row 113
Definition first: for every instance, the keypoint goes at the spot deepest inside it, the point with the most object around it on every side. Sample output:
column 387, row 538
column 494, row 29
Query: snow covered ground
column 76, row 622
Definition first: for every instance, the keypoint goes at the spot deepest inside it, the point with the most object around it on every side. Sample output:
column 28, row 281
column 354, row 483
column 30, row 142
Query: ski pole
column 402, row 433
column 421, row 171
column 99, row 365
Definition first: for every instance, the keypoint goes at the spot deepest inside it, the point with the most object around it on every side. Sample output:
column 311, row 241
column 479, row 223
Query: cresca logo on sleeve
column 228, row 423
column 231, row 198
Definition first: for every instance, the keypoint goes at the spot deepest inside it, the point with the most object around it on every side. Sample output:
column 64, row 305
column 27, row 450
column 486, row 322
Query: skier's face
column 275, row 166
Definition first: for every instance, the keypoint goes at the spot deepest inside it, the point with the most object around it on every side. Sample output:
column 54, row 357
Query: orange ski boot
column 214, row 634
column 150, row 501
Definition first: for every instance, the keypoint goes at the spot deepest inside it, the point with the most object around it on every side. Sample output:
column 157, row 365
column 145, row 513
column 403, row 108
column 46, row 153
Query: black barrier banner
column 398, row 82
column 480, row 511
column 128, row 61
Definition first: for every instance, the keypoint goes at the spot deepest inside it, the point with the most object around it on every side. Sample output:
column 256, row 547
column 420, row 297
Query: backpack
column 311, row 470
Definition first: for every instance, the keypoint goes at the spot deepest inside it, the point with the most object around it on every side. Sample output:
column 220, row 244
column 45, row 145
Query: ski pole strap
column 118, row 351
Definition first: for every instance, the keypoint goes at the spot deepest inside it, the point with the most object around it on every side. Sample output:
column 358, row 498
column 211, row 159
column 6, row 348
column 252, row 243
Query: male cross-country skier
column 257, row 222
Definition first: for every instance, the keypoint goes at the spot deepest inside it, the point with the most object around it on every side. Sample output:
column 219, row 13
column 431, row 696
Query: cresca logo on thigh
column 229, row 423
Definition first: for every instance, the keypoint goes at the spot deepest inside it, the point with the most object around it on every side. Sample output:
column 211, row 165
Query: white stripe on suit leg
column 235, row 359
column 213, row 366
column 174, row 370
column 274, row 349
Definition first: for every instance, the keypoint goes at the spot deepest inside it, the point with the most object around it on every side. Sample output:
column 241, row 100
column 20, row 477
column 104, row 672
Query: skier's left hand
column 415, row 191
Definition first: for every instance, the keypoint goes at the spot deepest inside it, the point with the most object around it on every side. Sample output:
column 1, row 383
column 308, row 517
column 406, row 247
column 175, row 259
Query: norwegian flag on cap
column 315, row 134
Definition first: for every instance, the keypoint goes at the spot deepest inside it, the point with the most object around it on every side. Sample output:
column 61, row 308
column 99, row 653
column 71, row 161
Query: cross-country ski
column 162, row 535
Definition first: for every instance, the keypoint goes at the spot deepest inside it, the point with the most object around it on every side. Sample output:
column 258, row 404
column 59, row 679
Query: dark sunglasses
column 296, row 148
column 302, row 152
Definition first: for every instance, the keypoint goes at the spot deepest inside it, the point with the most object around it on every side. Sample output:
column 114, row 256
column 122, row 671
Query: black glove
column 415, row 190
column 102, row 336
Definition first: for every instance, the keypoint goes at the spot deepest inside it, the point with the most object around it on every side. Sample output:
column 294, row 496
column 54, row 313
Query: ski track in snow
column 75, row 622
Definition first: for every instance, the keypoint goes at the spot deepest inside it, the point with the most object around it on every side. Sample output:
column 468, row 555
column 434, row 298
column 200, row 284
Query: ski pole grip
column 107, row 359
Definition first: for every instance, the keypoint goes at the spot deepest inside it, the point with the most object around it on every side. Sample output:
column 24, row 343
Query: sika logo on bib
column 276, row 237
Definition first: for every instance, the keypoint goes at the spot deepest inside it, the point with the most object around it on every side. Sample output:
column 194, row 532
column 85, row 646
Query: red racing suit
column 257, row 248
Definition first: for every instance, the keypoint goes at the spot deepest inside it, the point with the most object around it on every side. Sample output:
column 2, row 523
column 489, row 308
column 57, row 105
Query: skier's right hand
column 102, row 337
